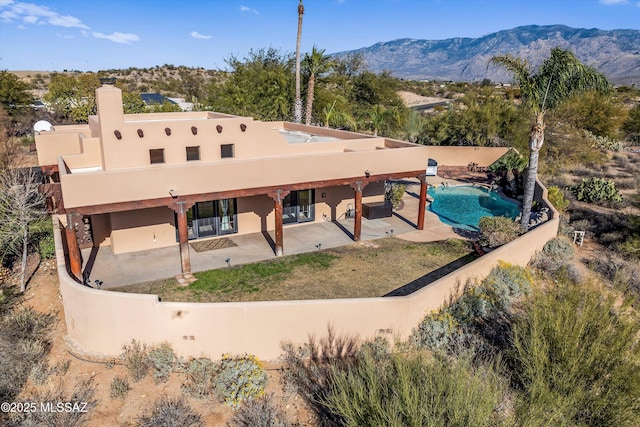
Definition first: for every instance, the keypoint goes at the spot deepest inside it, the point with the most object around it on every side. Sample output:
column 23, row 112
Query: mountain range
column 616, row 53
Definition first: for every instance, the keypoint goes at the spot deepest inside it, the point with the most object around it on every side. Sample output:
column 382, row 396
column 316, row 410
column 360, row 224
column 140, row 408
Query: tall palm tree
column 297, row 108
column 314, row 63
column 559, row 77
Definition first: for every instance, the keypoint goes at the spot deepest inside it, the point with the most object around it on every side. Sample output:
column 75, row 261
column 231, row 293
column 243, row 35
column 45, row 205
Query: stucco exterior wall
column 152, row 228
column 462, row 156
column 100, row 322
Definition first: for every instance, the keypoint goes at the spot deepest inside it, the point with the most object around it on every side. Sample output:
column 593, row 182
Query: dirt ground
column 42, row 295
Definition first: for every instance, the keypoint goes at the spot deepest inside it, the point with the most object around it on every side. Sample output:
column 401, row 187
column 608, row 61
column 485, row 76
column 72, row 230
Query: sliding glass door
column 298, row 207
column 212, row 218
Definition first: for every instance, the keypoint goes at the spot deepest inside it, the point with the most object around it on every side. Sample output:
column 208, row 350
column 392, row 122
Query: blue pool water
column 463, row 206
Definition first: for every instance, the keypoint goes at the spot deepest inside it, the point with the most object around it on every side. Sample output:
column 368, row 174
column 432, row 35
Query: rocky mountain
column 616, row 53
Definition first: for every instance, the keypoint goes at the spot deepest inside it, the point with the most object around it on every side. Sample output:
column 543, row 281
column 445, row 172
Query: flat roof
column 298, row 137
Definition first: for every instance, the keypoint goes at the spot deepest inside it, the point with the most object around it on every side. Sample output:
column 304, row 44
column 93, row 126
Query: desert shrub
column 5, row 275
column 378, row 348
column 416, row 390
column 171, row 412
column 307, row 369
column 80, row 401
column 200, row 374
column 474, row 320
column 260, row 412
column 555, row 255
column 24, row 341
column 559, row 249
column 119, row 387
column 239, row 378
column 498, row 230
column 596, row 190
column 162, row 359
column 556, row 198
column 604, row 142
column 624, row 274
column 136, row 359
column 574, row 358
column 394, row 192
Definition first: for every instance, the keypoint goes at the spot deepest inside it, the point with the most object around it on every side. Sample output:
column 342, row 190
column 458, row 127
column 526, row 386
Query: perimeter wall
column 101, row 322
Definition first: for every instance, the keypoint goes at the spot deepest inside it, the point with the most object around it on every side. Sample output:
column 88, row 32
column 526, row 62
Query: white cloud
column 35, row 14
column 197, row 35
column 117, row 37
column 244, row 9
column 612, row 2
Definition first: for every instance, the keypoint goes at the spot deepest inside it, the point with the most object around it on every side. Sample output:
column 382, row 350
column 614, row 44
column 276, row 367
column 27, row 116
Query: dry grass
column 352, row 271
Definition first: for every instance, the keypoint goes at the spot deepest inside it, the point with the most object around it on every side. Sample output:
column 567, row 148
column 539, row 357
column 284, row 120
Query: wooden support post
column 183, row 235
column 423, row 201
column 75, row 258
column 357, row 225
column 277, row 197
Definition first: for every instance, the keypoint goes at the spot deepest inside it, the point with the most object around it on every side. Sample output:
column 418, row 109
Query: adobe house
column 144, row 181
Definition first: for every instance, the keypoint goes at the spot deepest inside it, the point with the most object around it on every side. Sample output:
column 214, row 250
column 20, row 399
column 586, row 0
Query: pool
column 463, row 206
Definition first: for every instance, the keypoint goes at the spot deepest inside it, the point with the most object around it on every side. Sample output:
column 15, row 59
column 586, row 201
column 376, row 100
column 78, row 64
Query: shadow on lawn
column 428, row 278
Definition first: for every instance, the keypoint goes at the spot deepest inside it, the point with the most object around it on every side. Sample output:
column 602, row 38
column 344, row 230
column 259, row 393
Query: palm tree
column 315, row 63
column 297, row 108
column 559, row 77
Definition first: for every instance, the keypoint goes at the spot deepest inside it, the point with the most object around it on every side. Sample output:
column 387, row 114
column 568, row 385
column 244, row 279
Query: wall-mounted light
column 219, row 128
column 140, row 133
column 167, row 131
column 173, row 193
column 243, row 127
column 118, row 134
column 194, row 130
column 323, row 195
column 367, row 173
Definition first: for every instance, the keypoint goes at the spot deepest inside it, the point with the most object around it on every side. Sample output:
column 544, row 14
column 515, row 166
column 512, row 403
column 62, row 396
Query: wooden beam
column 358, row 186
column 277, row 197
column 75, row 258
column 231, row 194
column 181, row 209
column 422, row 205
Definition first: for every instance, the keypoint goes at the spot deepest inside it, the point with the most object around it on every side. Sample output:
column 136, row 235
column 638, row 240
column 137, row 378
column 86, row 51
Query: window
column 213, row 218
column 193, row 153
column 227, row 151
column 156, row 155
column 298, row 206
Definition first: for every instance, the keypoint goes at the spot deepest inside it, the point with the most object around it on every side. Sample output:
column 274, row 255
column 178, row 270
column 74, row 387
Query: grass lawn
column 373, row 269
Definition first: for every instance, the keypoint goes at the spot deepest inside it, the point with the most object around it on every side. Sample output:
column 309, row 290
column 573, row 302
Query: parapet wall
column 101, row 322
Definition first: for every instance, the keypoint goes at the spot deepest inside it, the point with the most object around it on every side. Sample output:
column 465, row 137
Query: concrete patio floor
column 113, row 270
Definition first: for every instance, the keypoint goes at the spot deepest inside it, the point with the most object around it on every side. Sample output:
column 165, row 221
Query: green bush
column 596, row 189
column 162, row 359
column 47, row 247
column 200, row 374
column 239, row 378
column 604, row 142
column 171, row 412
column 574, row 357
column 416, row 390
column 136, row 359
column 556, row 198
column 498, row 230
column 394, row 192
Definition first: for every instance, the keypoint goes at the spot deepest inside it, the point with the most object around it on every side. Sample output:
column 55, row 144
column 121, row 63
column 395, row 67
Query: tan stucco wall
column 100, row 322
column 143, row 229
column 462, row 156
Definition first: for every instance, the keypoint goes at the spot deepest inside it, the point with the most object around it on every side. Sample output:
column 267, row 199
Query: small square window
column 193, row 153
column 156, row 155
column 227, row 151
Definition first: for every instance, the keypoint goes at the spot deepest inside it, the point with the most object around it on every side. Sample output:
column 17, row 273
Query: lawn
column 373, row 269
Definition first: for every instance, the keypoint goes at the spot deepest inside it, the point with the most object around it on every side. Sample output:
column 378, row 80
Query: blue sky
column 97, row 34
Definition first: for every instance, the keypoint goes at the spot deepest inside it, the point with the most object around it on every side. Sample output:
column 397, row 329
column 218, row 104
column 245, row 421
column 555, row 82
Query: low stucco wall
column 100, row 322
